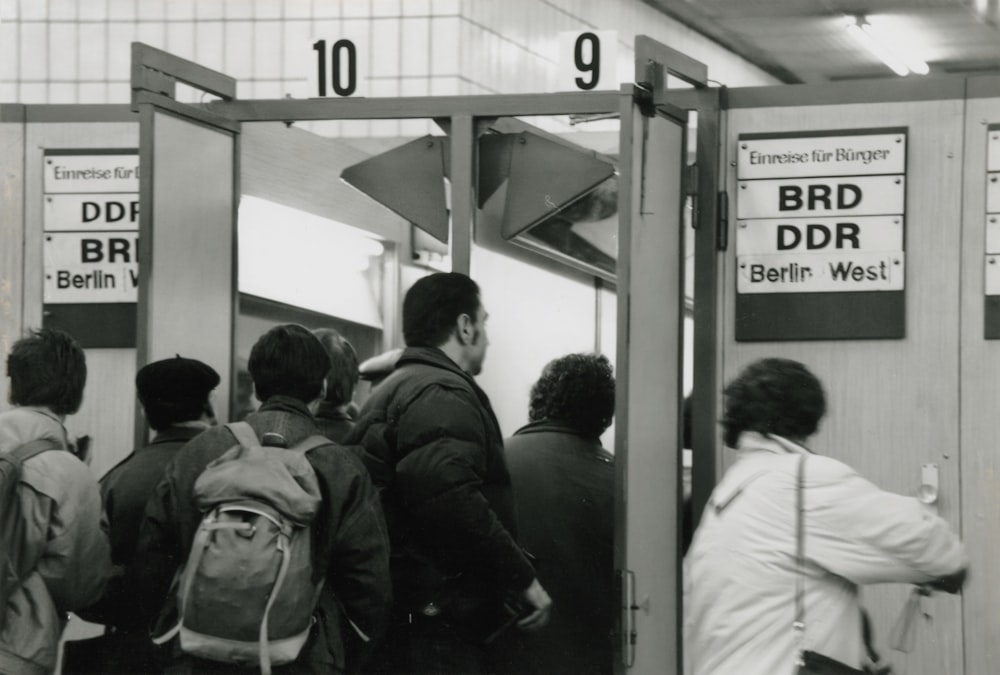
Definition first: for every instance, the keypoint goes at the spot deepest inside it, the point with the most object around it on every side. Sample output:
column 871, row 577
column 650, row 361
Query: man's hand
column 951, row 583
column 539, row 600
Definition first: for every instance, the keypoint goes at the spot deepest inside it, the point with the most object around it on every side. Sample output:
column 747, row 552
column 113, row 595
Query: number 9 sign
column 588, row 60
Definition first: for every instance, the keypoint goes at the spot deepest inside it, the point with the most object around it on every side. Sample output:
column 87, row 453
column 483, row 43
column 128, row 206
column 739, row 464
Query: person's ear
column 466, row 330
column 314, row 404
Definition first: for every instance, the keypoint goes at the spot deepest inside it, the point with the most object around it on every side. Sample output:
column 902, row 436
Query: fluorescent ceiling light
column 884, row 34
column 882, row 42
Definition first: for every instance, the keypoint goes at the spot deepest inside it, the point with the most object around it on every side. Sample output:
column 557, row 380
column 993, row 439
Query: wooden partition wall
column 979, row 392
column 931, row 397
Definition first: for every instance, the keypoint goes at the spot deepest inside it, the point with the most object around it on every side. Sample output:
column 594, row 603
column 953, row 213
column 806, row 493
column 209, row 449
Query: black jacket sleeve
column 445, row 456
column 356, row 548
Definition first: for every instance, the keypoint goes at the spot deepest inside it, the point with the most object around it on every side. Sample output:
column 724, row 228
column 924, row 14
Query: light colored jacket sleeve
column 66, row 507
column 868, row 535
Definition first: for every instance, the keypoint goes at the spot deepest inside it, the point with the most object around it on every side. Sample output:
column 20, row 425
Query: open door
column 650, row 361
column 188, row 191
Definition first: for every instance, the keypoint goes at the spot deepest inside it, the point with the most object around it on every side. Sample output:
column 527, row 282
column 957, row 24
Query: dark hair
column 432, row 306
column 47, row 369
column 773, row 396
column 343, row 375
column 288, row 360
column 578, row 389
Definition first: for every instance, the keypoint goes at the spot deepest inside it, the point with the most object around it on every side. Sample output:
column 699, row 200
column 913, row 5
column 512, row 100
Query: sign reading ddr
column 804, row 197
column 861, row 155
column 821, row 235
column 820, row 273
column 91, row 267
column 91, row 173
column 88, row 212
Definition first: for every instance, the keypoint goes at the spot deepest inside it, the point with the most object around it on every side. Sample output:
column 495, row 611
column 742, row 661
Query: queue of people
column 409, row 536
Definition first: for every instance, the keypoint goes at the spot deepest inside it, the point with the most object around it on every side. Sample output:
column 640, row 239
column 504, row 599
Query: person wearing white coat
column 741, row 571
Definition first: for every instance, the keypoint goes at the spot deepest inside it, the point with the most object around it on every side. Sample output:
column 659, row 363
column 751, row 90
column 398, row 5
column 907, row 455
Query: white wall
column 534, row 317
column 77, row 51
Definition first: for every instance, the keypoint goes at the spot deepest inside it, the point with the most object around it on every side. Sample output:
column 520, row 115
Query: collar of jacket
column 287, row 404
column 177, row 432
column 28, row 423
column 593, row 445
column 754, row 441
column 432, row 356
column 556, row 426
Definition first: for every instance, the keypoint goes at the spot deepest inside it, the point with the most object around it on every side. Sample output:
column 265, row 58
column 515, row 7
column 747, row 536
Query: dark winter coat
column 435, row 451
column 564, row 491
column 125, row 489
column 349, row 536
column 333, row 422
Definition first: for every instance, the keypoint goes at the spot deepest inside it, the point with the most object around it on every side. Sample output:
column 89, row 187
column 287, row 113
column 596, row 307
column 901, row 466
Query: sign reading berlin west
column 90, row 244
column 820, row 213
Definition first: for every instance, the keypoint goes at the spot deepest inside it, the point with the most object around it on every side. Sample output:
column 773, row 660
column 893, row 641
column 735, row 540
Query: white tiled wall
column 65, row 51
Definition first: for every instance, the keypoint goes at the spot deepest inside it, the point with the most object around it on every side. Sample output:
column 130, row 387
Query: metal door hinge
column 691, row 180
column 722, row 221
column 629, row 634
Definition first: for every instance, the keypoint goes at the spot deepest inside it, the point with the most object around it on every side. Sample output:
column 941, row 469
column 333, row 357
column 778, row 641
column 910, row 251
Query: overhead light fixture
column 890, row 50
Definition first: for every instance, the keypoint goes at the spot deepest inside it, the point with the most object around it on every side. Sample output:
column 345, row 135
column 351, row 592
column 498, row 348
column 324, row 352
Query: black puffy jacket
column 435, row 452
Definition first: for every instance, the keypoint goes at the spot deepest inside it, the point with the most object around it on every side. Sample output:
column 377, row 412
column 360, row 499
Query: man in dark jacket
column 350, row 546
column 435, row 451
column 564, row 486
column 174, row 394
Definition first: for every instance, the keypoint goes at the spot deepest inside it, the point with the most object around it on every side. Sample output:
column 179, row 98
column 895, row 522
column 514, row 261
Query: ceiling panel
column 807, row 41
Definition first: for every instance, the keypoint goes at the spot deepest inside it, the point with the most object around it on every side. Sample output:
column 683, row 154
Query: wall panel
column 11, row 238
column 535, row 316
column 892, row 404
column 108, row 410
column 980, row 373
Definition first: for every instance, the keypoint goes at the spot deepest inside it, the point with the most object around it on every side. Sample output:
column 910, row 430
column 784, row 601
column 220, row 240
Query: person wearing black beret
column 175, row 395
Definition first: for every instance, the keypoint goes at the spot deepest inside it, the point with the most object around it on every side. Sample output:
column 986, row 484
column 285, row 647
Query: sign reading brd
column 818, row 213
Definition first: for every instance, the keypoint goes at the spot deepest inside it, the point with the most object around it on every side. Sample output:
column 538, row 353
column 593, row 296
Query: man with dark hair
column 350, row 547
column 174, row 394
column 564, row 492
column 332, row 415
column 434, row 448
column 59, row 503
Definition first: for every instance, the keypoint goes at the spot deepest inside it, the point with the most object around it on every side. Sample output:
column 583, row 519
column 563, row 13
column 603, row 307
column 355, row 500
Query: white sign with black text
column 91, row 173
column 866, row 155
column 804, row 197
column 109, row 211
column 821, row 214
column 91, row 226
column 91, row 267
column 821, row 235
column 820, row 273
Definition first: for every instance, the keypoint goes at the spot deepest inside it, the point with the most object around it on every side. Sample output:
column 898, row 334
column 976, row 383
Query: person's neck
column 202, row 423
column 456, row 352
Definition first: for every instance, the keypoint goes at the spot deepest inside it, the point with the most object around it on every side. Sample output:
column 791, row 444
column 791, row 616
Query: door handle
column 928, row 490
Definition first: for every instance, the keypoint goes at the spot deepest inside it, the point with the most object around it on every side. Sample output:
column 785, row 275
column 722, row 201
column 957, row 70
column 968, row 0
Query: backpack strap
column 311, row 443
column 25, row 452
column 244, row 433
